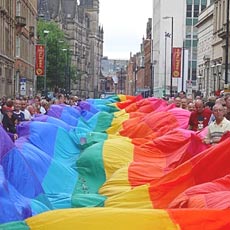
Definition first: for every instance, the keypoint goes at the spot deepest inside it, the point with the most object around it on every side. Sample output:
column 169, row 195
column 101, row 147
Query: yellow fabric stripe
column 116, row 125
column 122, row 97
column 117, row 153
column 117, row 184
column 137, row 197
column 102, row 218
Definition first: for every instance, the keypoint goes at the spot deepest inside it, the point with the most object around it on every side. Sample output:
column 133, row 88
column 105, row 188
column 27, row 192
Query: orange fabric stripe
column 190, row 219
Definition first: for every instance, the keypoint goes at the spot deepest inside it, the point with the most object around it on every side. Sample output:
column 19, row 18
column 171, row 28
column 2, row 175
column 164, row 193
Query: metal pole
column 171, row 78
column 214, row 83
column 227, row 42
column 164, row 93
column 56, row 73
column 121, row 82
column 45, row 69
column 182, row 87
column 152, row 79
column 66, row 70
column 46, row 32
column 68, row 73
column 135, row 82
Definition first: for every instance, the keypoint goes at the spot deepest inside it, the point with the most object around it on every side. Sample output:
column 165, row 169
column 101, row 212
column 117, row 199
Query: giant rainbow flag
column 123, row 162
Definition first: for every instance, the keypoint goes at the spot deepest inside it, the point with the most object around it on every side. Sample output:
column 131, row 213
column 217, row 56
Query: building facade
column 7, row 47
column 17, row 53
column 213, row 58
column 80, row 23
column 221, row 50
column 25, row 30
column 174, row 24
column 205, row 65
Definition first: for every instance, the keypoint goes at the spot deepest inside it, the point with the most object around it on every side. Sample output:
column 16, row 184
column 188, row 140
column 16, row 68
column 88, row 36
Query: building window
column 17, row 46
column 188, row 22
column 189, row 11
column 203, row 7
column 18, row 8
column 204, row 2
column 196, row 11
column 195, row 20
column 188, row 43
column 7, row 38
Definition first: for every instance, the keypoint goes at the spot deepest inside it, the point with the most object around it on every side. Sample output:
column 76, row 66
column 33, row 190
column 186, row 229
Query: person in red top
column 200, row 117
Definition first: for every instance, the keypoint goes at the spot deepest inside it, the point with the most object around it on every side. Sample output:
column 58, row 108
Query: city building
column 213, row 49
column 25, row 28
column 80, row 23
column 220, row 47
column 7, row 47
column 205, row 65
column 17, row 47
column 173, row 26
column 113, row 76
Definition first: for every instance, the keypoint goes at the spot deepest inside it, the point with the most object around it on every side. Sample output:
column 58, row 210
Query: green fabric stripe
column 104, row 121
column 17, row 225
column 91, row 176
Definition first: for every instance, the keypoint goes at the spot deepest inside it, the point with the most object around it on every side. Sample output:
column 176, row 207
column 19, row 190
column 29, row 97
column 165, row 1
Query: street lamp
column 214, row 69
column 67, row 75
column 58, row 42
column 226, row 49
column 167, row 35
column 135, row 79
column 46, row 32
column 121, row 81
column 219, row 72
column 168, row 17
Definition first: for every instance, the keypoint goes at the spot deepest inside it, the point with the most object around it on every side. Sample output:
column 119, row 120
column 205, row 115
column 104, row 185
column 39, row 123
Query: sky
column 124, row 23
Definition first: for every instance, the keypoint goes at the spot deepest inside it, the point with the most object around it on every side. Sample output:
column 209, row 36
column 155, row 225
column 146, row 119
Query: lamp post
column 151, row 79
column 121, row 81
column 214, row 70
column 226, row 50
column 219, row 73
column 65, row 50
column 171, row 77
column 135, row 81
column 167, row 35
column 46, row 32
column 58, row 42
column 67, row 72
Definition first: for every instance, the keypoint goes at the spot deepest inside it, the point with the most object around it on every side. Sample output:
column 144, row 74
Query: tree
column 56, row 59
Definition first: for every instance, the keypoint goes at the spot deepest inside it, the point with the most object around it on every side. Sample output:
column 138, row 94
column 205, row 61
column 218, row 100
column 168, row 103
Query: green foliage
column 56, row 46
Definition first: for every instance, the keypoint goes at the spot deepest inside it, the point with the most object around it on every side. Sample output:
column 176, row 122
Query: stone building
column 213, row 50
column 7, row 35
column 139, row 71
column 25, row 27
column 80, row 23
column 18, row 23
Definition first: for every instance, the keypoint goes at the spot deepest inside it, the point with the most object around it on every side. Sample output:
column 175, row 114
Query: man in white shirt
column 25, row 110
column 218, row 127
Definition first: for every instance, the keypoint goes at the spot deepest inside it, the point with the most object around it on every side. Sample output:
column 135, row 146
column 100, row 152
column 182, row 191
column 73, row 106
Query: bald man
column 199, row 118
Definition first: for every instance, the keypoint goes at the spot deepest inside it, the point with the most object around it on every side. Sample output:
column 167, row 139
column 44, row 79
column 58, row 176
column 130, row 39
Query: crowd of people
column 14, row 111
column 214, row 112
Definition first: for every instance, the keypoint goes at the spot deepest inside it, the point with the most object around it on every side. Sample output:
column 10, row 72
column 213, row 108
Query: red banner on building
column 40, row 60
column 176, row 73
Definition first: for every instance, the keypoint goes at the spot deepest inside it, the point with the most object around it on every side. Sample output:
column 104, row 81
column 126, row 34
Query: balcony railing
column 20, row 21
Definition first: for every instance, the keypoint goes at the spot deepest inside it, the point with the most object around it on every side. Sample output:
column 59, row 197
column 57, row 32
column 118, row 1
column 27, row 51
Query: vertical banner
column 40, row 60
column 176, row 73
